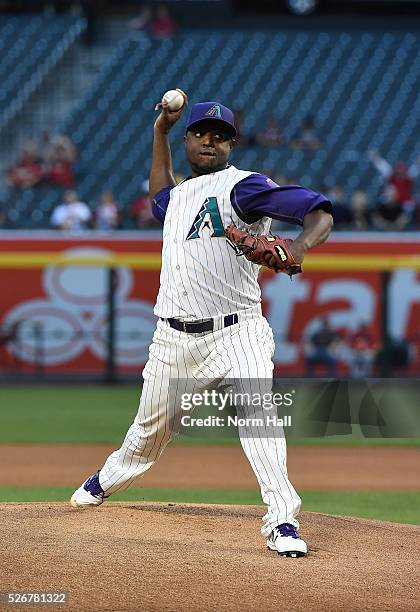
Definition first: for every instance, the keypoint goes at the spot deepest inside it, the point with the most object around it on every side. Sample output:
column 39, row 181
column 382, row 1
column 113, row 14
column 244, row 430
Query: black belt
column 201, row 326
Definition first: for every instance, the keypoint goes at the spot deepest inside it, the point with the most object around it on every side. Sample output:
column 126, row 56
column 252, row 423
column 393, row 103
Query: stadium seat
column 347, row 81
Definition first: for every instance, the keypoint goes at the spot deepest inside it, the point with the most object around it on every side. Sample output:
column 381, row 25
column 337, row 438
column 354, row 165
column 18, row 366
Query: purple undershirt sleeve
column 258, row 196
column 160, row 203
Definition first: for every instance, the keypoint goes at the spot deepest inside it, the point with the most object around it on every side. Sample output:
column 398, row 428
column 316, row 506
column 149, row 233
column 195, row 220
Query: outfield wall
column 60, row 310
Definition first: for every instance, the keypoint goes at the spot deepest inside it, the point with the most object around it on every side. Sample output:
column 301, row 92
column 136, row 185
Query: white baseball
column 174, row 98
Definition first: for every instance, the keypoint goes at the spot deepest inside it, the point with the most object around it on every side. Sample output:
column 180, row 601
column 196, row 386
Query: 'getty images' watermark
column 319, row 407
column 214, row 398
column 257, row 409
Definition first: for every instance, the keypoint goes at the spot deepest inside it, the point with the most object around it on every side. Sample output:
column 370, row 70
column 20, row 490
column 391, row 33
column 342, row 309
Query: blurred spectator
column 143, row 19
column 362, row 352
column 65, row 147
column 342, row 214
column 271, row 136
column 71, row 214
column 9, row 337
column 9, row 334
column 360, row 211
column 307, row 138
column 390, row 215
column 400, row 177
column 107, row 213
column 163, row 26
column 60, row 169
column 322, row 349
column 58, row 154
column 59, row 146
column 28, row 171
column 395, row 357
column 141, row 212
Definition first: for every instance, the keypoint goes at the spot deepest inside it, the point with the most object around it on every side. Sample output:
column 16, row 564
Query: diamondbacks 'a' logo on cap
column 214, row 111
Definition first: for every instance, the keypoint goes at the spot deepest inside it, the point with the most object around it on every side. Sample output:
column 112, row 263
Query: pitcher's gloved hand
column 270, row 251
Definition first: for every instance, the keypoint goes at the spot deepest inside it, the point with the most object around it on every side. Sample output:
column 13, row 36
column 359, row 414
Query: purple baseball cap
column 213, row 111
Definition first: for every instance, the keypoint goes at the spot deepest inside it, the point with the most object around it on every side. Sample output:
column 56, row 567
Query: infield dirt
column 173, row 557
column 320, row 468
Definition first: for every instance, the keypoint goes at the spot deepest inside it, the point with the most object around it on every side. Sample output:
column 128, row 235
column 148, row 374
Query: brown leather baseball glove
column 270, row 251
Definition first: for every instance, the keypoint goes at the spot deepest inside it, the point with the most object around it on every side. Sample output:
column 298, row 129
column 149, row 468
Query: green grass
column 57, row 414
column 400, row 507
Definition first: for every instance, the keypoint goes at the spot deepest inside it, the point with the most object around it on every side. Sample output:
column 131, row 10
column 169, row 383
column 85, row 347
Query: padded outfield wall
column 54, row 303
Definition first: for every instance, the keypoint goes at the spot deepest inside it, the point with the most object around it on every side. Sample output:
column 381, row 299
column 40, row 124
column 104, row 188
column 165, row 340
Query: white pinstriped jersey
column 201, row 275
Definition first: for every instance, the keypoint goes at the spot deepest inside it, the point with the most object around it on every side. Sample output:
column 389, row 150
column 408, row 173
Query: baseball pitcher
column 216, row 235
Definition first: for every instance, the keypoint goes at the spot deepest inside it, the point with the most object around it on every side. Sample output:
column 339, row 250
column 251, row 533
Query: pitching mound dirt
column 150, row 556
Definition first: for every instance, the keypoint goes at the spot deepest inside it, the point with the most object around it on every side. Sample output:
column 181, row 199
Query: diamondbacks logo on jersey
column 207, row 220
column 214, row 111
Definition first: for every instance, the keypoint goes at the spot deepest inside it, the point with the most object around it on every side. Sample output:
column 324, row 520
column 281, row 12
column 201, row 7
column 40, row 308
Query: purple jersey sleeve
column 160, row 203
column 258, row 196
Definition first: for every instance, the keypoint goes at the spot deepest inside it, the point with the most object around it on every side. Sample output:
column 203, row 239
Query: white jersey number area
column 208, row 221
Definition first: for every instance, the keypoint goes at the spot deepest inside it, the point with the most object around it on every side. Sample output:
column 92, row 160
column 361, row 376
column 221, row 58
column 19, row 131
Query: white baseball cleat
column 90, row 493
column 286, row 540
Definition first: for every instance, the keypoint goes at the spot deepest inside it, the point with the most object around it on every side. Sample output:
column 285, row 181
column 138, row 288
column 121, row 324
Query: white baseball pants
column 242, row 352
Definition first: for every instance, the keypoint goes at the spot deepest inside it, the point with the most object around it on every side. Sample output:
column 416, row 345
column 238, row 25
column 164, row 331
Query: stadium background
column 76, row 306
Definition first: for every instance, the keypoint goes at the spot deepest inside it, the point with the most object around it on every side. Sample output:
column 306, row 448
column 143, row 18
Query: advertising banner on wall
column 55, row 317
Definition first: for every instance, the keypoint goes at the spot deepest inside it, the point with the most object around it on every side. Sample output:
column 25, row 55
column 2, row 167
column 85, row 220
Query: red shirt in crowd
column 61, row 174
column 25, row 173
column 403, row 185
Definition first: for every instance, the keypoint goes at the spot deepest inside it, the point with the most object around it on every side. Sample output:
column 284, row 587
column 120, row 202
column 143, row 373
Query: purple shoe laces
column 92, row 485
column 287, row 531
